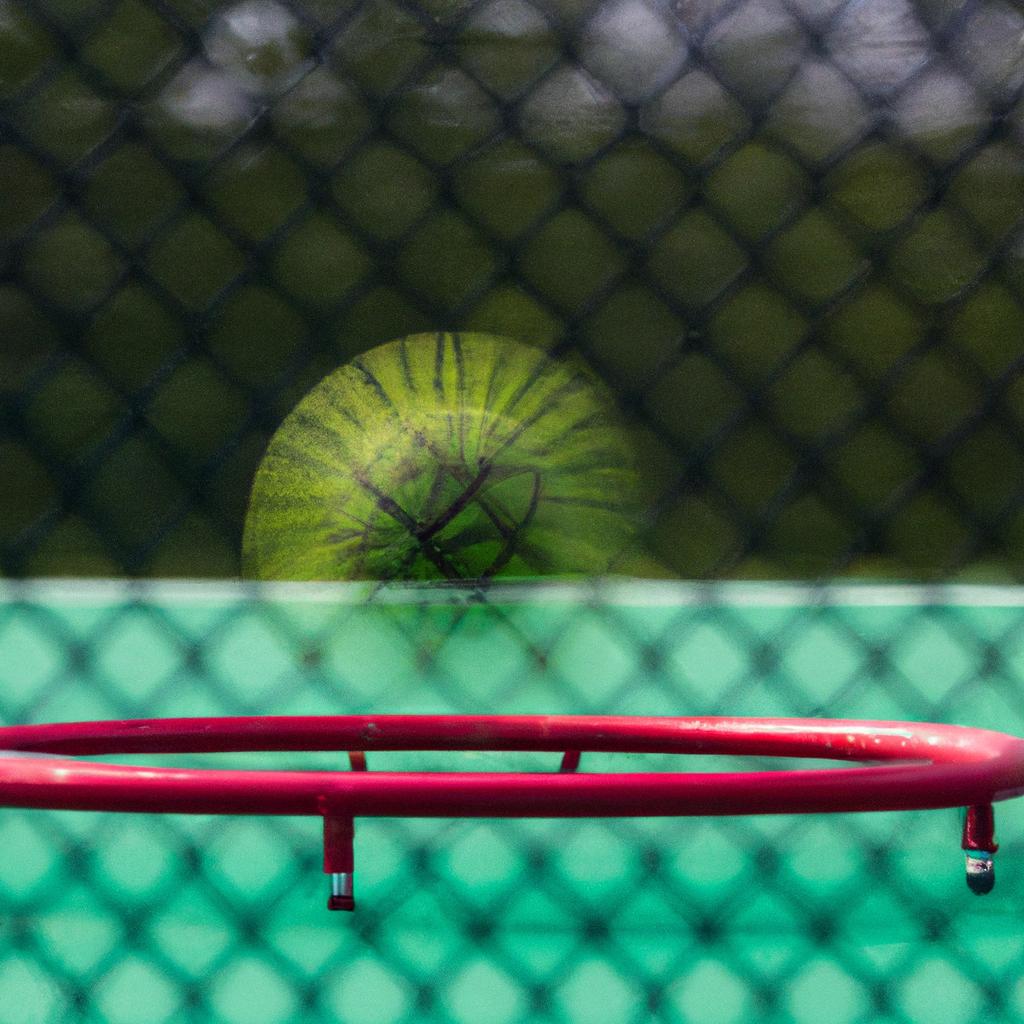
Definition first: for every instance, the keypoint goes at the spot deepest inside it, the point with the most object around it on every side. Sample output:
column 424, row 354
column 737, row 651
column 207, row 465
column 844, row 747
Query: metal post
column 339, row 861
column 979, row 843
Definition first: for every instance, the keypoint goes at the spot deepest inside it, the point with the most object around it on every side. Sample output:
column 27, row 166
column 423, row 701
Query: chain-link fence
column 788, row 235
column 853, row 918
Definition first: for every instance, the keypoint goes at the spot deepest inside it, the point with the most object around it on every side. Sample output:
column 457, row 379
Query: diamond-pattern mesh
column 145, row 918
column 788, row 234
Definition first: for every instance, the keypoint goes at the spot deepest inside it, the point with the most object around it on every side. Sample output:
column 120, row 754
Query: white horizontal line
column 612, row 591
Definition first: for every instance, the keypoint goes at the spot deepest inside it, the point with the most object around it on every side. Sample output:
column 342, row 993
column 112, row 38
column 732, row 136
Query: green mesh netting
column 147, row 918
column 787, row 234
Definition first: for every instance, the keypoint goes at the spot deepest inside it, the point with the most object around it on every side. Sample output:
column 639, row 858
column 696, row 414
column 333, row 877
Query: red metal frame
column 917, row 766
column 911, row 766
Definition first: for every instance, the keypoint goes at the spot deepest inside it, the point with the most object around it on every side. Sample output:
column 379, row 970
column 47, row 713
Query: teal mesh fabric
column 149, row 918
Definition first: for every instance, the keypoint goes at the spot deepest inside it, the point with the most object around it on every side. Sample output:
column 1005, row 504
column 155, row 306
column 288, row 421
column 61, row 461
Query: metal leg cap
column 981, row 873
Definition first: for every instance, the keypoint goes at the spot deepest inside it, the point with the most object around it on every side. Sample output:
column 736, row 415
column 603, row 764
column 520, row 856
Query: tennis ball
column 445, row 456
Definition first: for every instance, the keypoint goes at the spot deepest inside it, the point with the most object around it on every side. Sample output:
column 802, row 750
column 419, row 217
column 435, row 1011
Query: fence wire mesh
column 790, row 238
column 856, row 917
column 787, row 234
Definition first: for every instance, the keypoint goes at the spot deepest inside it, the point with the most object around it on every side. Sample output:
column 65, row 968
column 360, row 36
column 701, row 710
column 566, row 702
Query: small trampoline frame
column 900, row 766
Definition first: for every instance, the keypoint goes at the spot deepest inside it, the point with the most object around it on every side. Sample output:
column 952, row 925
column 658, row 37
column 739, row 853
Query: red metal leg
column 339, row 861
column 979, row 843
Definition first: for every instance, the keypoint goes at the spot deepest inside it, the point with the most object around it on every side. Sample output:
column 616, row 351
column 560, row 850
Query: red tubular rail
column 913, row 766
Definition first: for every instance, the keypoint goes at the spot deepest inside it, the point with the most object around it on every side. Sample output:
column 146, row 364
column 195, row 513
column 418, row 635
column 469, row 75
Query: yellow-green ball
column 445, row 456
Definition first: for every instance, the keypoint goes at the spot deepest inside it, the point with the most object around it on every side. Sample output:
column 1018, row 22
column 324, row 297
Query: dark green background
column 788, row 234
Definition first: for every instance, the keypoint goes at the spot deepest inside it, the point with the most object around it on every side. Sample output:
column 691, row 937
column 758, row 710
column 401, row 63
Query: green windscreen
column 861, row 918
